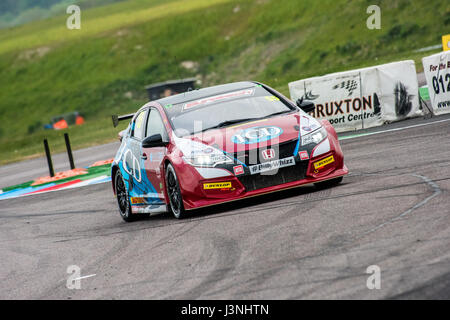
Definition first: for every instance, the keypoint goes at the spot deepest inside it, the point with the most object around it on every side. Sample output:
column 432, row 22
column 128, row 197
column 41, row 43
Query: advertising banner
column 437, row 73
column 362, row 98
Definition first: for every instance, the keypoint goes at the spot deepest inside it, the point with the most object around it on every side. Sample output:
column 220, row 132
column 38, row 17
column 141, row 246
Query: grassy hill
column 46, row 69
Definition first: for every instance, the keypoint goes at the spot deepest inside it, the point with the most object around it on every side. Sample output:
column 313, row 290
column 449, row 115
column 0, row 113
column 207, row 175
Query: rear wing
column 116, row 118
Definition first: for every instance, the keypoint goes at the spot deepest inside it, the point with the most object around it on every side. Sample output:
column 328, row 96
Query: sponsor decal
column 139, row 120
column 238, row 170
column 256, row 134
column 246, row 123
column 137, row 200
column 272, row 98
column 349, row 85
column 322, row 163
column 342, row 107
column 217, row 185
column 135, row 172
column 303, row 155
column 213, row 99
column 271, row 165
column 268, row 154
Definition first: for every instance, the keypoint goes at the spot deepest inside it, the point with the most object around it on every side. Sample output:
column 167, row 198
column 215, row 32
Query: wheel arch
column 166, row 163
column 114, row 170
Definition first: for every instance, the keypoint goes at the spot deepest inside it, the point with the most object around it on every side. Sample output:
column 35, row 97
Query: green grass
column 46, row 69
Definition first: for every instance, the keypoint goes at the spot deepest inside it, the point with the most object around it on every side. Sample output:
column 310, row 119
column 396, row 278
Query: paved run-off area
column 393, row 211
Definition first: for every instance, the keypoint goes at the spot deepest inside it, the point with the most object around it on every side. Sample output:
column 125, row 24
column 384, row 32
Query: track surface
column 393, row 211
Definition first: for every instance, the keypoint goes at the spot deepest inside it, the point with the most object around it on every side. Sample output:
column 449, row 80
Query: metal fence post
column 69, row 151
column 49, row 158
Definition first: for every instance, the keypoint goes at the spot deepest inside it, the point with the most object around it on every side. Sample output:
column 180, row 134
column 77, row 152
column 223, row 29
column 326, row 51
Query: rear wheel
column 174, row 193
column 328, row 183
column 122, row 199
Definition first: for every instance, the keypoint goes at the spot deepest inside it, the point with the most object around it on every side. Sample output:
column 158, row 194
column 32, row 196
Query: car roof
column 205, row 92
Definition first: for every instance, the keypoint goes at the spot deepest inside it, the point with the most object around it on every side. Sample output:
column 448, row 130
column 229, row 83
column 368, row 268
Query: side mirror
column 154, row 141
column 306, row 105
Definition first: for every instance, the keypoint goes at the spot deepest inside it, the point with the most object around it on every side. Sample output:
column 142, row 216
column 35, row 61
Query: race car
column 219, row 144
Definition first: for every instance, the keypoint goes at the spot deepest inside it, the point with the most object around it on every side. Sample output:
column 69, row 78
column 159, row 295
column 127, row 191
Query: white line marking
column 84, row 277
column 391, row 130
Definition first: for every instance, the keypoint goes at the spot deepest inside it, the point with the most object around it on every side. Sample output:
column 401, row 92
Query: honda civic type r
column 220, row 144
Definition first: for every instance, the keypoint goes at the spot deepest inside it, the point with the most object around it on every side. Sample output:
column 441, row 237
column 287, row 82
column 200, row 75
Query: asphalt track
column 392, row 211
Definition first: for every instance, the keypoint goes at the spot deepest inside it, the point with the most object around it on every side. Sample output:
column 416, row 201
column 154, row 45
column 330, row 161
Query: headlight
column 207, row 160
column 199, row 154
column 315, row 136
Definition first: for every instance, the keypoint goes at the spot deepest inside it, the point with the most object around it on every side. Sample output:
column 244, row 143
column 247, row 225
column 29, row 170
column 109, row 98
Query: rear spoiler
column 116, row 118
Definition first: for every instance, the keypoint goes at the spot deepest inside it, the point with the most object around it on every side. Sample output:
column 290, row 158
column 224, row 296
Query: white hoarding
column 437, row 73
column 362, row 98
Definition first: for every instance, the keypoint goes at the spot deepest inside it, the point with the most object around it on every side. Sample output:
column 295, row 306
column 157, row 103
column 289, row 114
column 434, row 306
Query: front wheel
column 174, row 193
column 122, row 198
column 328, row 183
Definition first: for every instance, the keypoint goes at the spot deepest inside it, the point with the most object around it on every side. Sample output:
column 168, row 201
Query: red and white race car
column 220, row 144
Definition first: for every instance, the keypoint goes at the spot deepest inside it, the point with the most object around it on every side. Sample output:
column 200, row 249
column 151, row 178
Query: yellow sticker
column 217, row 185
column 135, row 200
column 140, row 120
column 446, row 42
column 272, row 98
column 323, row 162
column 245, row 123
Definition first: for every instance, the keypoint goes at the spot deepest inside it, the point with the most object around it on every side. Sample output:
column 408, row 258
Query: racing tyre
column 174, row 193
column 328, row 183
column 122, row 198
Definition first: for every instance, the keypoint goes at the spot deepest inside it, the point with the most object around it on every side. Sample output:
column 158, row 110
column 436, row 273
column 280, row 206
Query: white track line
column 84, row 277
column 391, row 130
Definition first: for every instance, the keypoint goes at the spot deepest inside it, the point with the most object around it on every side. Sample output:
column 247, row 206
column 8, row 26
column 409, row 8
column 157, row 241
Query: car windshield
column 225, row 109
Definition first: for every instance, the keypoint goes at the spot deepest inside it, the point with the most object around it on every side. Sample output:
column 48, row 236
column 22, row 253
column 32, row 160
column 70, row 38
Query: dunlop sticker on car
column 271, row 165
column 137, row 200
column 323, row 162
column 217, row 185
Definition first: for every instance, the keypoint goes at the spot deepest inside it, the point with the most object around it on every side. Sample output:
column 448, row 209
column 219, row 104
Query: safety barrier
column 362, row 98
column 437, row 74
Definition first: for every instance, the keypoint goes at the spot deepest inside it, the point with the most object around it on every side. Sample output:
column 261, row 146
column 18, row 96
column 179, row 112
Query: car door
column 153, row 157
column 131, row 160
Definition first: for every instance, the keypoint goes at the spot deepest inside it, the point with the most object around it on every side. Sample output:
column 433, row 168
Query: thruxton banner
column 437, row 73
column 362, row 98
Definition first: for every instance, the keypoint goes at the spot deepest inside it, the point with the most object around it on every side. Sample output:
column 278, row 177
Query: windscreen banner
column 437, row 73
column 362, row 98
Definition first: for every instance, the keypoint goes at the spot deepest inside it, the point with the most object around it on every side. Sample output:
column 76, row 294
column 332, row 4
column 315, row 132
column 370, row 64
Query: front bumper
column 240, row 193
column 206, row 192
column 329, row 159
